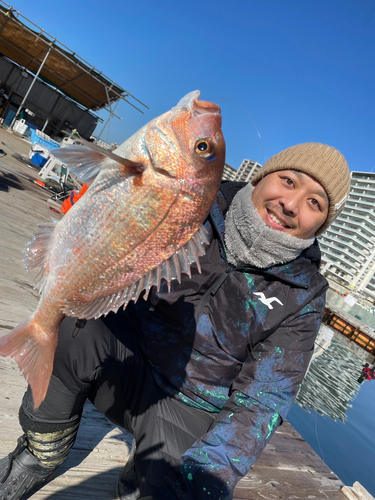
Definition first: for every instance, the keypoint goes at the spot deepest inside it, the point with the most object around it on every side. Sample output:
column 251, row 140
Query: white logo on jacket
column 269, row 301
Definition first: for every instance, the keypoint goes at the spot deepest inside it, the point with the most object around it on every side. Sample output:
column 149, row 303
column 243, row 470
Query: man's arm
column 261, row 397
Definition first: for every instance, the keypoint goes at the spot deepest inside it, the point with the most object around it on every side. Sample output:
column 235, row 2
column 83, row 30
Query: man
column 201, row 375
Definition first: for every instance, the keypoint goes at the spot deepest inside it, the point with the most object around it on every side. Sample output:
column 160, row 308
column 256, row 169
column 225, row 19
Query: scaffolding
column 42, row 55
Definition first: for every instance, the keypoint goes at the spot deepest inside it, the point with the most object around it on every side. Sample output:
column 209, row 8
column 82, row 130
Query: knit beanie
column 324, row 163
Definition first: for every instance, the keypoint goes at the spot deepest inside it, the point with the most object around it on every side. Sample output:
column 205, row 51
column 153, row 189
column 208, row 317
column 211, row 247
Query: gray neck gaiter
column 249, row 240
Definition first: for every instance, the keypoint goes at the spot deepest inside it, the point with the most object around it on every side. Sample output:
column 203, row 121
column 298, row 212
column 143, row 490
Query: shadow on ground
column 9, row 181
column 92, row 487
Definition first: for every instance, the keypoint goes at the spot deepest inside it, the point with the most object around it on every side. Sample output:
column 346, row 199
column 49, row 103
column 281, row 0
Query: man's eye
column 315, row 202
column 289, row 181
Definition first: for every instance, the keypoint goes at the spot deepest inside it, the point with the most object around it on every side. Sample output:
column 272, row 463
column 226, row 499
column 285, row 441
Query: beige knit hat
column 325, row 163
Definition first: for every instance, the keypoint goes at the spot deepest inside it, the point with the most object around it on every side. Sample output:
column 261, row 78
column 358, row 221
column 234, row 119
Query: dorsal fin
column 168, row 270
column 86, row 160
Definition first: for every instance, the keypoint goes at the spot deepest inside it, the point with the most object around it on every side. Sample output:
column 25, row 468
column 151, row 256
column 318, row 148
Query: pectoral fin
column 86, row 160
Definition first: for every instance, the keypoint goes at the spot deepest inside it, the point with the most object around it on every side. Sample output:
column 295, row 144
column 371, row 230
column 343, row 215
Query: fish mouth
column 189, row 99
column 203, row 107
column 196, row 106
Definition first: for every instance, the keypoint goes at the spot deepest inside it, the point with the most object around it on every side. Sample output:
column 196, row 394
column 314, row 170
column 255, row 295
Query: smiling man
column 292, row 202
column 201, row 374
column 294, row 197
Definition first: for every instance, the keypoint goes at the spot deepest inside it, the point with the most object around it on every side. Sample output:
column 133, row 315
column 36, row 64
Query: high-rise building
column 348, row 245
column 245, row 173
column 229, row 173
column 247, row 170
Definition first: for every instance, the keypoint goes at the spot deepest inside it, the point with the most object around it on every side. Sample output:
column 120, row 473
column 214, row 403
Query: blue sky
column 295, row 70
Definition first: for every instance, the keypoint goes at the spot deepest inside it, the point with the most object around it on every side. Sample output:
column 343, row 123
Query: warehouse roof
column 27, row 45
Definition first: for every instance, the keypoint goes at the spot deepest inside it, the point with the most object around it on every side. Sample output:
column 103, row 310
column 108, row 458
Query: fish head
column 186, row 145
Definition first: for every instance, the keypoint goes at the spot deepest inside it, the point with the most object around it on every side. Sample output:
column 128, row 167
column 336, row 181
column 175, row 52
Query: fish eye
column 204, row 147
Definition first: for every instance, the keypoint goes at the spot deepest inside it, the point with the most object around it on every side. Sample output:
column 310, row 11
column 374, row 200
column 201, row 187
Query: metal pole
column 45, row 125
column 31, row 86
column 111, row 113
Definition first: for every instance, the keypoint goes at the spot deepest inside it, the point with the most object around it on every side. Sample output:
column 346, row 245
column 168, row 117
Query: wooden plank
column 289, row 468
column 356, row 492
column 93, row 465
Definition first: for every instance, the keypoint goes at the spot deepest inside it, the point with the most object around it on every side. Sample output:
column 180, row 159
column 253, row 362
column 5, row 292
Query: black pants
column 106, row 365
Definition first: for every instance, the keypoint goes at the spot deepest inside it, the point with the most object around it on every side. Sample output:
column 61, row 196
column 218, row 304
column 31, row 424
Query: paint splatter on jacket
column 235, row 341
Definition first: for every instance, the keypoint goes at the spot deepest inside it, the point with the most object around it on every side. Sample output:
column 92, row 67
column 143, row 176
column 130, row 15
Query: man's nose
column 290, row 204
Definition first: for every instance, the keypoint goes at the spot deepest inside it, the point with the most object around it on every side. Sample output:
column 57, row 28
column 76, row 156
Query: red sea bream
column 139, row 222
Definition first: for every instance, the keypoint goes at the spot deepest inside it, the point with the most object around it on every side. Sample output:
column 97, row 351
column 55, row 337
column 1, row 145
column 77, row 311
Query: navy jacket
column 235, row 341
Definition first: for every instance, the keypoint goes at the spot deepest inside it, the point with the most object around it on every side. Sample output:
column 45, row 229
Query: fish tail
column 34, row 350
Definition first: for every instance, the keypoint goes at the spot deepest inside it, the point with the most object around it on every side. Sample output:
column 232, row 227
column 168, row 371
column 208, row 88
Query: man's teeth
column 274, row 218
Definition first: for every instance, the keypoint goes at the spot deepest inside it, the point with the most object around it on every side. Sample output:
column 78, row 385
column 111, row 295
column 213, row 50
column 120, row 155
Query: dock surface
column 287, row 469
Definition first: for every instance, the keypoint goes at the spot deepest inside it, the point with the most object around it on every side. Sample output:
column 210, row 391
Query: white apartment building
column 229, row 173
column 245, row 173
column 348, row 245
column 247, row 170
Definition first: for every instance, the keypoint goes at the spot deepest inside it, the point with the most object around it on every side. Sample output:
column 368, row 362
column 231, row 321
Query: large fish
column 139, row 222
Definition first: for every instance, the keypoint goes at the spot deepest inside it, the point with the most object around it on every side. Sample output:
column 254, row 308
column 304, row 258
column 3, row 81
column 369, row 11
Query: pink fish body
column 139, row 222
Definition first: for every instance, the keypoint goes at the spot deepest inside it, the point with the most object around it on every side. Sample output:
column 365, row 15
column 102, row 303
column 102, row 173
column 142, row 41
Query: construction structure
column 47, row 85
column 348, row 245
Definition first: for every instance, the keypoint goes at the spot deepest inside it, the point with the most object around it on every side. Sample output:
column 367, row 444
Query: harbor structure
column 348, row 245
column 351, row 327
